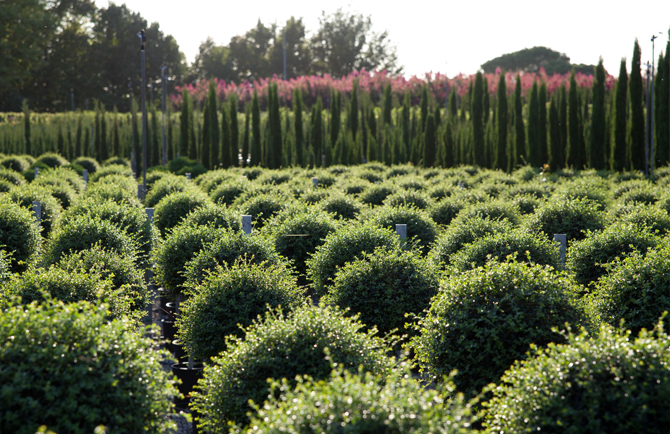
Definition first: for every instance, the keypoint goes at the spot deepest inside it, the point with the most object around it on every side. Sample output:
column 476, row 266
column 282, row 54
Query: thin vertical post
column 143, row 39
column 37, row 172
column 37, row 210
column 246, row 224
column 133, row 152
column 315, row 181
column 401, row 231
column 646, row 148
column 85, row 175
column 562, row 240
column 163, row 91
column 188, row 176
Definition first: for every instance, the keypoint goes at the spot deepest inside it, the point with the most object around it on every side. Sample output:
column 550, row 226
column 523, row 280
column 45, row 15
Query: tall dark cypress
column 116, row 143
column 453, row 104
column 501, row 154
column 597, row 158
column 234, row 129
column 78, row 148
column 26, row 128
column 206, row 150
column 619, row 157
column 60, row 141
column 556, row 157
column 562, row 118
column 520, row 134
column 317, row 135
column 533, row 143
column 297, row 126
column 406, row 126
column 423, row 104
column 487, row 101
column 96, row 134
column 575, row 153
column 388, row 104
column 352, row 113
column 104, row 145
column 155, row 147
column 662, row 109
column 335, row 116
column 226, row 156
column 214, row 130
column 245, row 139
column 477, row 118
column 430, row 145
column 170, row 136
column 275, row 130
column 372, row 123
column 636, row 127
column 255, row 157
column 542, row 127
column 184, row 124
column 448, row 160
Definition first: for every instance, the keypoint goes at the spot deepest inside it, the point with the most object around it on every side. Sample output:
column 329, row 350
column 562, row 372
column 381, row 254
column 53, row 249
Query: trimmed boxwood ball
column 376, row 194
column 655, row 219
column 164, row 186
column 15, row 163
column 635, row 290
column 342, row 206
column 484, row 319
column 647, row 196
column 87, row 163
column 173, row 208
column 113, row 170
column 420, row 227
column 127, row 183
column 594, row 190
column 455, row 237
column 263, row 206
column 297, row 236
column 227, row 192
column 526, row 247
column 19, row 235
column 230, row 298
column 384, row 286
column 102, row 191
column 15, row 178
column 51, row 159
column 5, row 273
column 179, row 247
column 76, row 370
column 62, row 175
column 445, row 210
column 363, row 403
column 572, row 217
column 213, row 215
column 494, row 209
column 62, row 191
column 304, row 342
column 408, row 198
column 82, row 233
column 587, row 258
column 226, row 249
column 526, row 204
column 51, row 207
column 608, row 383
column 314, row 195
column 5, row 186
column 344, row 245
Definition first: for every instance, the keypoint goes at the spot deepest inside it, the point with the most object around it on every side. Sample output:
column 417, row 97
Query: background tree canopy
column 532, row 59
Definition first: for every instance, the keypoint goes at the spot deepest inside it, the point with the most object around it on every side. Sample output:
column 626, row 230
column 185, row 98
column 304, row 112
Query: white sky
column 447, row 36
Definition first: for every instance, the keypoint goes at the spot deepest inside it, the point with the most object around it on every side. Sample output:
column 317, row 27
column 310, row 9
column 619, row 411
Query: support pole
column 562, row 240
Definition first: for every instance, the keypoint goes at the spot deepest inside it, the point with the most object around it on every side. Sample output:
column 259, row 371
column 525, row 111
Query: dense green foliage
column 19, row 235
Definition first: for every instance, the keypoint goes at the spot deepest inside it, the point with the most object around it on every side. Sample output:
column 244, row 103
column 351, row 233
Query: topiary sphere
column 587, row 258
column 231, row 297
column 113, row 170
column 62, row 176
column 455, row 237
column 635, row 290
column 76, row 369
column 213, row 215
column 344, row 245
column 173, row 208
column 226, row 249
column 526, row 247
column 179, row 247
column 313, row 196
column 14, row 178
column 646, row 196
column 5, row 186
column 653, row 218
column 572, row 217
column 227, row 192
column 376, row 194
column 445, row 210
column 165, row 186
column 15, row 163
column 82, row 233
column 87, row 163
column 262, row 207
column 19, row 235
column 5, row 273
column 607, row 383
column 483, row 320
column 408, row 198
column 62, row 191
column 102, row 192
column 342, row 206
column 383, row 287
column 281, row 346
column 493, row 209
column 420, row 227
column 363, row 403
column 51, row 207
column 51, row 159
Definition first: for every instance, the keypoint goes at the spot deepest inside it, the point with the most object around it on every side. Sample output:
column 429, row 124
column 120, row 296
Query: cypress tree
column 556, row 157
column 533, row 143
column 170, row 137
column 193, row 149
column 155, row 147
column 423, row 104
column 453, row 104
column 234, row 129
column 448, row 160
column 255, row 158
column 78, row 149
column 226, row 157
column 206, row 150
column 317, row 135
column 388, row 104
column 598, row 127
column 214, row 131
column 184, row 127
column 406, row 125
column 116, row 143
column 430, row 145
column 335, row 116
column 477, row 116
column 103, row 147
column 619, row 159
column 352, row 113
column 662, row 109
column 584, row 126
column 542, row 127
column 563, row 118
column 487, row 101
column 501, row 154
column 519, row 129
column 372, row 122
column 297, row 126
column 636, row 127
column 245, row 139
column 275, row 130
column 87, row 139
column 60, row 141
column 96, row 133
column 26, row 128
column 438, row 117
column 575, row 153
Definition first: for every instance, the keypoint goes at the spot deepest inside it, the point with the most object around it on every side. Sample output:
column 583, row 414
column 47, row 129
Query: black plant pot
column 178, row 350
column 188, row 379
column 170, row 310
column 168, row 329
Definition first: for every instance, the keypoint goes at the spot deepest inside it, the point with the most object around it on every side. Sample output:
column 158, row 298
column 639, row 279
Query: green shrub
column 468, row 231
column 127, row 183
column 593, row 189
column 5, row 186
column 483, row 320
column 654, row 218
column 165, row 186
column 342, row 206
column 62, row 176
column 116, row 161
column 445, row 210
column 82, row 233
column 493, row 209
column 15, row 178
column 297, row 236
column 526, row 173
column 538, row 191
column 646, row 196
column 179, row 247
column 180, row 163
column 281, row 346
column 5, row 272
column 115, row 169
column 61, row 191
column 363, row 403
column 399, row 170
column 19, row 235
column 231, row 298
column 408, row 198
column 602, row 384
column 213, row 215
column 15, row 163
column 411, row 183
column 103, row 191
column 527, row 247
column 377, row 194
column 274, row 177
column 262, row 207
column 226, row 193
column 132, row 220
column 572, row 217
column 226, row 249
column 384, row 286
column 154, row 176
column 344, row 245
column 370, row 176
column 252, row 172
column 420, row 227
column 354, row 187
column 440, row 192
column 75, row 370
column 586, row 258
column 526, row 204
column 173, row 208
column 312, row 196
column 51, row 208
column 51, row 159
column 87, row 163
column 631, row 185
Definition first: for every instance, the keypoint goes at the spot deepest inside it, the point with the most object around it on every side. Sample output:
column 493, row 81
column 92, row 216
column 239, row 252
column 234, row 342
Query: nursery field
column 348, row 298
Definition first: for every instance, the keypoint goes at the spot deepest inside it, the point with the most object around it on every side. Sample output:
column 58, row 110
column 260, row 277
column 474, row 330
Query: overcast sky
column 448, row 36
